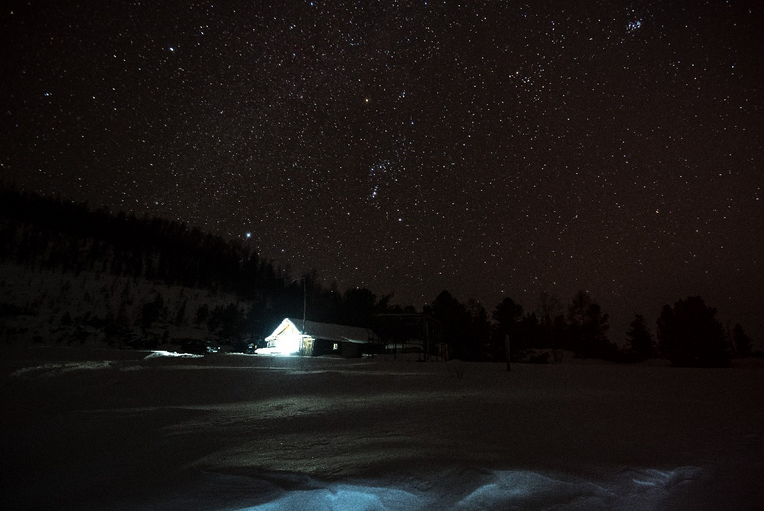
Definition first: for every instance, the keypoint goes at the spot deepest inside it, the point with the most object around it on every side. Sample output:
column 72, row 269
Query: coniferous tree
column 152, row 311
column 180, row 316
column 455, row 320
column 690, row 335
column 640, row 341
column 743, row 343
column 202, row 314
column 358, row 306
column 231, row 321
column 596, row 326
column 479, row 331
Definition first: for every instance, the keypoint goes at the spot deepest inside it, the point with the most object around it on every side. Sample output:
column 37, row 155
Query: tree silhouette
column 455, row 319
column 690, row 335
column 640, row 341
column 202, row 314
column 358, row 306
column 551, row 321
column 531, row 334
column 587, row 327
column 595, row 333
column 152, row 311
column 507, row 316
column 479, row 330
column 743, row 343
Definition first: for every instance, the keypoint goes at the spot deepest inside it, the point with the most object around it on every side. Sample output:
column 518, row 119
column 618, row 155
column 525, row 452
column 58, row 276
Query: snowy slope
column 125, row 430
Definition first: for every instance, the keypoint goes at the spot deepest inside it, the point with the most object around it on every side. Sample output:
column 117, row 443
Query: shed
column 291, row 337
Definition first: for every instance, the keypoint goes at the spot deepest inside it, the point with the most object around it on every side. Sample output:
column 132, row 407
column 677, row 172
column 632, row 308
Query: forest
column 43, row 234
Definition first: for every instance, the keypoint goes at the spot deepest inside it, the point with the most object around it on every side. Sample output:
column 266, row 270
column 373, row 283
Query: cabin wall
column 323, row 347
column 350, row 350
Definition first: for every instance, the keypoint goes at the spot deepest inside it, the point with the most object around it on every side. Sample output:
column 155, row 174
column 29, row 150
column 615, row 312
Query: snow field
column 86, row 429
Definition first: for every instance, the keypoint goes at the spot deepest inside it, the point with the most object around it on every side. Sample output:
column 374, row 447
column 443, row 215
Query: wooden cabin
column 309, row 338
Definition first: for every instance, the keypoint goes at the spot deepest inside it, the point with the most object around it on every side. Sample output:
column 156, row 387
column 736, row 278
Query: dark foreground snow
column 85, row 429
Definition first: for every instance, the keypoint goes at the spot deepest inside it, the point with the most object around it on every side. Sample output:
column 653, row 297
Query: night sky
column 489, row 148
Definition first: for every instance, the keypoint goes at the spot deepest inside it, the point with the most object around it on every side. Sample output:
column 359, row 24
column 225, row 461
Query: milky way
column 488, row 148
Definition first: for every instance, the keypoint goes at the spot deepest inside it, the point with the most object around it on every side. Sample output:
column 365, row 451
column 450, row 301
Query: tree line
column 687, row 333
column 55, row 234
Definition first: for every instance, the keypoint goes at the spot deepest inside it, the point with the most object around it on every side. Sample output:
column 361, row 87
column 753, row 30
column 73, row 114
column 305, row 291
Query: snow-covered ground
column 89, row 429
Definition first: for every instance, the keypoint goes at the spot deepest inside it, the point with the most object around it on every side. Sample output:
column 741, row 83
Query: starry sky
column 488, row 148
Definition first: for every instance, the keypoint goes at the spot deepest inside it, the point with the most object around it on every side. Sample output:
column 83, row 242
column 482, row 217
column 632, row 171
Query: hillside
column 73, row 275
column 98, row 309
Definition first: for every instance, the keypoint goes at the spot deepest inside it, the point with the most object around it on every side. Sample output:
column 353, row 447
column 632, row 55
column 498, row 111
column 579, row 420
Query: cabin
column 309, row 338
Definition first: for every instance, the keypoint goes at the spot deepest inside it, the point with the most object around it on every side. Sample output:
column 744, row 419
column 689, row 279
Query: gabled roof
column 326, row 331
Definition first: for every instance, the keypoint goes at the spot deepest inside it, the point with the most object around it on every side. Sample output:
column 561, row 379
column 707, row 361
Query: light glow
column 288, row 344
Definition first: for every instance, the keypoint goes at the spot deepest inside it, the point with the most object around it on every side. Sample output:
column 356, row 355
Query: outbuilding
column 309, row 338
